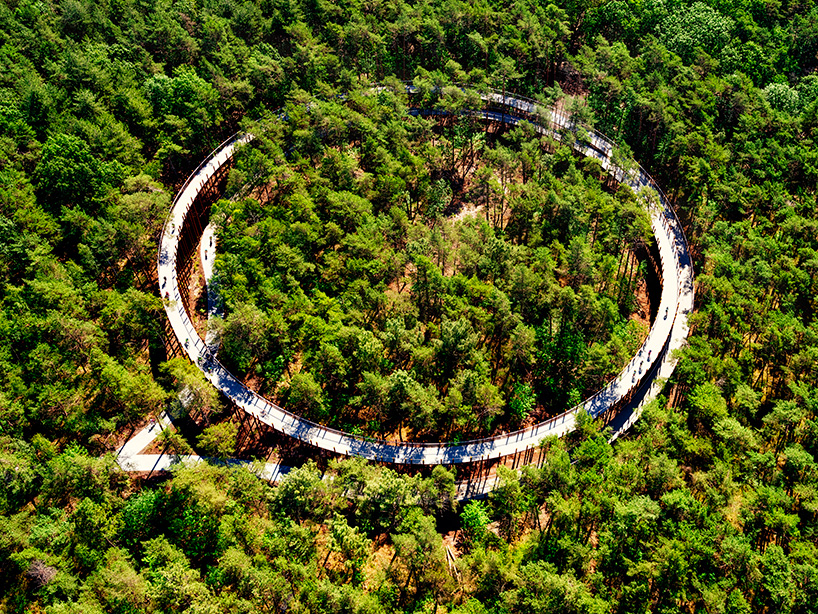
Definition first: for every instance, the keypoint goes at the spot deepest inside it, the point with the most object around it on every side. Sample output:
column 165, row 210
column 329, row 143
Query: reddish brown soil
column 643, row 310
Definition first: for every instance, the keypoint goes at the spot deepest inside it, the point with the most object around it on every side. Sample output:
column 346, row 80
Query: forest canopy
column 397, row 275
column 709, row 504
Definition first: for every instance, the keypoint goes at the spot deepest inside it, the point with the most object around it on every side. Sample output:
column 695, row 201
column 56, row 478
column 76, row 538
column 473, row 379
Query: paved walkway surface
column 207, row 255
column 130, row 457
column 653, row 361
column 134, row 446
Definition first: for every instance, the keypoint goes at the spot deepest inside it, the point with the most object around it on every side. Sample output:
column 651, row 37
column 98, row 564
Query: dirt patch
column 450, row 540
column 593, row 541
column 378, row 566
column 254, row 381
column 468, row 209
column 643, row 306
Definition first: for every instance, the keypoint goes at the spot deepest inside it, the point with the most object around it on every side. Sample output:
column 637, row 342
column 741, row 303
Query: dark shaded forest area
column 709, row 505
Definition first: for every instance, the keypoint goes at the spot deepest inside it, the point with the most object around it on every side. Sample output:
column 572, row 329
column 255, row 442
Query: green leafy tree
column 69, row 175
column 475, row 519
column 351, row 545
column 219, row 440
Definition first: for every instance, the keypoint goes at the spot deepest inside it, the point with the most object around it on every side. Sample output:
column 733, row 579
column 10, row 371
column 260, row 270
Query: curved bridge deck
column 620, row 400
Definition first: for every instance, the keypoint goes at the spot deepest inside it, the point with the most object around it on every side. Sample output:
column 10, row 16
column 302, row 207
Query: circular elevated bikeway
column 620, row 401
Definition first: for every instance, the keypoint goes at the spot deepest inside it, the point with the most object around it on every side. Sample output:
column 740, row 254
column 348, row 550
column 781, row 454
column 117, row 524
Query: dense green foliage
column 709, row 506
column 621, row 529
column 359, row 282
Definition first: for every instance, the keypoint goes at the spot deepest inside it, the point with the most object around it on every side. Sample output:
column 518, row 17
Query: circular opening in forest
column 424, row 275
